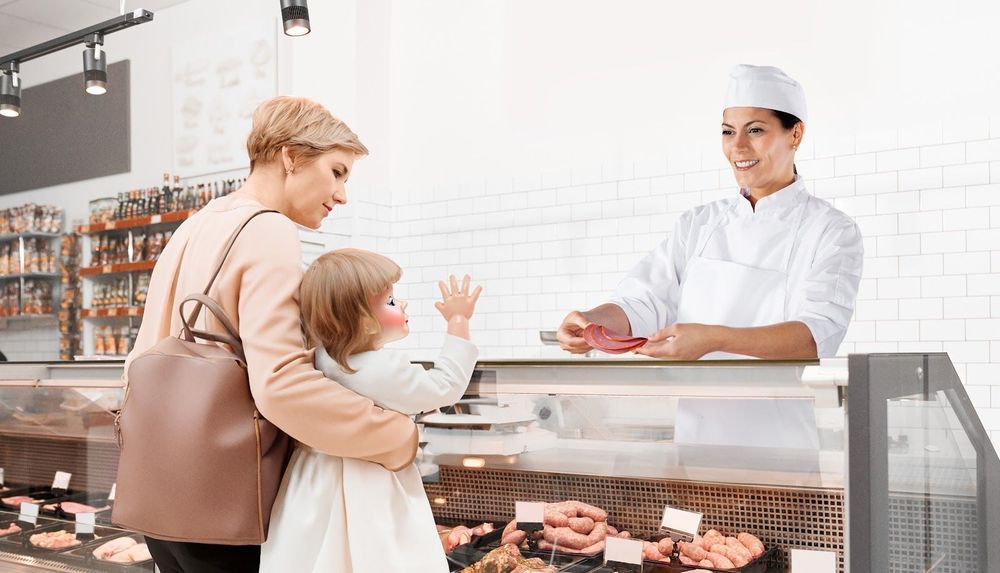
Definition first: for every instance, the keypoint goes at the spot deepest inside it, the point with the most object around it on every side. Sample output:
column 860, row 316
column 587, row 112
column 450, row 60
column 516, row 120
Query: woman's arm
column 286, row 387
column 691, row 341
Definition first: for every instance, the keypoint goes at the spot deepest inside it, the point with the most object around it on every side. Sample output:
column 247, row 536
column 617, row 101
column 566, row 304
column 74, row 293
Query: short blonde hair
column 303, row 126
column 335, row 298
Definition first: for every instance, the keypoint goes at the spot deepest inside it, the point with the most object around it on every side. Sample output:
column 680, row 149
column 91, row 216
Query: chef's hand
column 682, row 341
column 456, row 300
column 570, row 334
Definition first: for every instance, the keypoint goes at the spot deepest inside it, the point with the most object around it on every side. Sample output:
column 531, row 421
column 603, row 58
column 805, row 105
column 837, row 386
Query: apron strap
column 703, row 240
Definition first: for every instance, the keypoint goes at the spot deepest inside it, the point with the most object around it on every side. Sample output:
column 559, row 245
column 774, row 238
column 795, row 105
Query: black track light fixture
column 295, row 17
column 95, row 59
column 10, row 90
column 95, row 66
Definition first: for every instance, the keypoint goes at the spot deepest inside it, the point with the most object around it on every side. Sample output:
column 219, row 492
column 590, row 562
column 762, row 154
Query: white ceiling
column 25, row 23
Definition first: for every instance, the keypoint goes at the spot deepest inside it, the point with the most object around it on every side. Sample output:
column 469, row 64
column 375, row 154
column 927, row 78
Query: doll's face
column 391, row 315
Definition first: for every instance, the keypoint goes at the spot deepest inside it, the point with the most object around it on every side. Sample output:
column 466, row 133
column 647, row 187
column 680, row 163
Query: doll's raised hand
column 456, row 300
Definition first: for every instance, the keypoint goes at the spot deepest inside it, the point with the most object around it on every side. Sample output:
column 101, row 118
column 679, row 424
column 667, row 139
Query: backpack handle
column 230, row 336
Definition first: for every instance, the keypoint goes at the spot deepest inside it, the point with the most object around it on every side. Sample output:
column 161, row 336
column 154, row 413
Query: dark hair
column 787, row 120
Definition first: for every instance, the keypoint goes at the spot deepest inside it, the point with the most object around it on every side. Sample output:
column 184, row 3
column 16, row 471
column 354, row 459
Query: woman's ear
column 798, row 132
column 287, row 161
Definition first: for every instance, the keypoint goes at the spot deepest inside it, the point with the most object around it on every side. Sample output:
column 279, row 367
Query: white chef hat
column 766, row 87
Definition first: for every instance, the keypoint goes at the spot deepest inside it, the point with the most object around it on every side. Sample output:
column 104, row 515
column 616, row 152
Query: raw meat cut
column 54, row 539
column 114, row 546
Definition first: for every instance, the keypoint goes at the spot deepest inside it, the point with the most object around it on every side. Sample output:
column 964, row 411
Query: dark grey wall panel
column 64, row 135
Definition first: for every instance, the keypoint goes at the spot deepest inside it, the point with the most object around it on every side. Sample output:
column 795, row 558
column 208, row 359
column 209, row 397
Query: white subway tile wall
column 927, row 199
column 31, row 344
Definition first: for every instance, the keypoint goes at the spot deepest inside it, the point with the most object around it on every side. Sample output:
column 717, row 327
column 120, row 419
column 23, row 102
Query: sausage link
column 582, row 525
column 755, row 545
column 720, row 561
column 737, row 558
column 517, row 537
column 693, row 551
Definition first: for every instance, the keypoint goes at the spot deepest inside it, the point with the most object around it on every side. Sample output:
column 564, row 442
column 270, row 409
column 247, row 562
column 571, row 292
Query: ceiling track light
column 95, row 59
column 295, row 17
column 10, row 90
column 95, row 66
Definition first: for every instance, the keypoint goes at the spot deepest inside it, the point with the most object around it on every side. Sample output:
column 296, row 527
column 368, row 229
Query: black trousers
column 182, row 557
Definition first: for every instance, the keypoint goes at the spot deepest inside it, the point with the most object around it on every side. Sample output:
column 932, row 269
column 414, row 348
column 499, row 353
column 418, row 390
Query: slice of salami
column 597, row 336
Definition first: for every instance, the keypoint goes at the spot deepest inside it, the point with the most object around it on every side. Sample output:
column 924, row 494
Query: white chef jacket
column 823, row 273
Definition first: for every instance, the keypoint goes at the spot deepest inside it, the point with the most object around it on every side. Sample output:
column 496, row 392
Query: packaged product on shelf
column 110, row 345
column 6, row 268
column 9, row 295
column 140, row 249
column 123, row 341
column 141, row 288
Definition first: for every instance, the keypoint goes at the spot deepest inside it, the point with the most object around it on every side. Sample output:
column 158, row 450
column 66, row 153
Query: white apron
column 732, row 294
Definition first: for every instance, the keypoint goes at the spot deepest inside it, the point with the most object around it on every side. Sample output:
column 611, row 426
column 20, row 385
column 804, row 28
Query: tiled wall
column 926, row 198
column 23, row 342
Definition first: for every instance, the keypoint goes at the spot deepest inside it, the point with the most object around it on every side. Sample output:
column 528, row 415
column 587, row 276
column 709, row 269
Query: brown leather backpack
column 198, row 462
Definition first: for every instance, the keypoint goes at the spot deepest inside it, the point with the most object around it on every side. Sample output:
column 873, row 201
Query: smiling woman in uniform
column 771, row 272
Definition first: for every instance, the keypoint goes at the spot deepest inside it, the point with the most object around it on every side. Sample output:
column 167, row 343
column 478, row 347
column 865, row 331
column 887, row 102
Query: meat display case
column 879, row 459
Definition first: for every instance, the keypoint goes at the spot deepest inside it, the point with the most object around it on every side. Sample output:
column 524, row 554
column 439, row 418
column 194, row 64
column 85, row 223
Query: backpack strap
column 218, row 268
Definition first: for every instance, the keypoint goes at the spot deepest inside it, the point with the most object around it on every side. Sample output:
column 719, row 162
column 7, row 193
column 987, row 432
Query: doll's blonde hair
column 335, row 300
column 303, row 126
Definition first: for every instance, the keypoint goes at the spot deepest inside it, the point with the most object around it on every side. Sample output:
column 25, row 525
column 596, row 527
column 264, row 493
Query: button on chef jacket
column 823, row 264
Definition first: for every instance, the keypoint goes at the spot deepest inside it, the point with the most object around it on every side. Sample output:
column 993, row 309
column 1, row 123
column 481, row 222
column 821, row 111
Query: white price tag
column 529, row 512
column 29, row 511
column 804, row 561
column 85, row 523
column 1, row 477
column 111, row 495
column 684, row 522
column 155, row 219
column 623, row 550
column 61, row 480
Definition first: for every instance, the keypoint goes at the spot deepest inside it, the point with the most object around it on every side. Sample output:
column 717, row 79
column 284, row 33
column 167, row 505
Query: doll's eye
column 391, row 301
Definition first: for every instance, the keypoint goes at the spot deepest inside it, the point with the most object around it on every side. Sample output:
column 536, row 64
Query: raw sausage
column 730, row 554
column 582, row 525
column 752, row 543
column 693, row 551
column 720, row 561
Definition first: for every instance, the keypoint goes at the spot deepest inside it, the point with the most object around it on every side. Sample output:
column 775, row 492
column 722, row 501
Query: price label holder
column 530, row 517
column 679, row 524
column 85, row 527
column 804, row 561
column 623, row 555
column 111, row 494
column 60, row 484
column 29, row 513
column 155, row 219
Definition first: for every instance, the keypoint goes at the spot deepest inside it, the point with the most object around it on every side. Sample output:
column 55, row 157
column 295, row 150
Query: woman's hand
column 682, row 341
column 570, row 334
column 456, row 301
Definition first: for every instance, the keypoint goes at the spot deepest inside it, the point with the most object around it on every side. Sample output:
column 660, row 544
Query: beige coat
column 258, row 288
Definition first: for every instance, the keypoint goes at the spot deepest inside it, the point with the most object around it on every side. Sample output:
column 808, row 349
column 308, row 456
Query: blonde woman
column 301, row 157
column 341, row 515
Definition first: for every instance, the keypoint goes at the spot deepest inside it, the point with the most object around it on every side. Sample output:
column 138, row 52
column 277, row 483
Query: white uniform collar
column 784, row 198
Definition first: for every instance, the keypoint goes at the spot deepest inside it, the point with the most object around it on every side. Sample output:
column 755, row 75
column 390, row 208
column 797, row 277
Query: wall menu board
column 64, row 135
